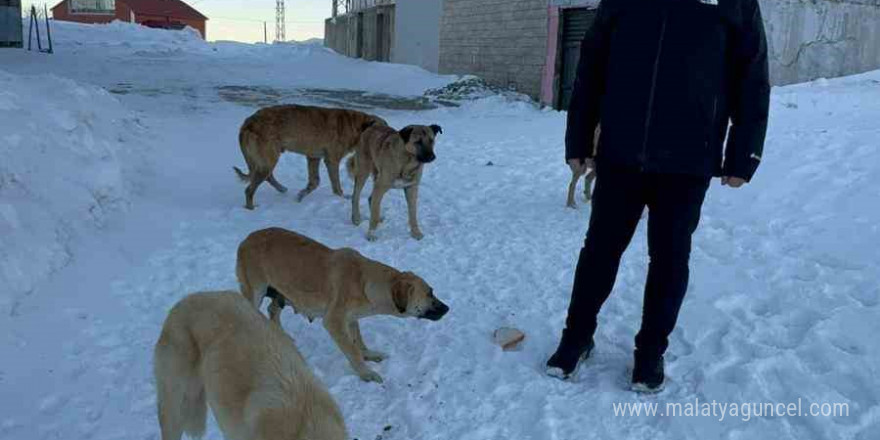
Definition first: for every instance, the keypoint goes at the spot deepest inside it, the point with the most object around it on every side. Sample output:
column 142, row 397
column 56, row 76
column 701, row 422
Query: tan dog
column 340, row 286
column 216, row 350
column 316, row 132
column 587, row 170
column 395, row 159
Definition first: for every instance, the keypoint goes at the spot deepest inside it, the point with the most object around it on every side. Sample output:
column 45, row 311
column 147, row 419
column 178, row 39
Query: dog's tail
column 244, row 177
column 181, row 402
column 247, row 140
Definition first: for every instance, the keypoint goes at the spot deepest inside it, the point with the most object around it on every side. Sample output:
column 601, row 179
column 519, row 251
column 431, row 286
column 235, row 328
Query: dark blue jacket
column 669, row 80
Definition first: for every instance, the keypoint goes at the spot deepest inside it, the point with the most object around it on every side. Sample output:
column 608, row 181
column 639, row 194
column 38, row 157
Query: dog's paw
column 371, row 236
column 417, row 235
column 356, row 220
column 370, row 376
column 302, row 195
column 571, row 205
column 374, row 356
column 249, row 207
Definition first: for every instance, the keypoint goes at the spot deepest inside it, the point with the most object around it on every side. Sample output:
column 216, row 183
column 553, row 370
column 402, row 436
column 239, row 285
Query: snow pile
column 126, row 36
column 107, row 54
column 471, row 88
column 60, row 174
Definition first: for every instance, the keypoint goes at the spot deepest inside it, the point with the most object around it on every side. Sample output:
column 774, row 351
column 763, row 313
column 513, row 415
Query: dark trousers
column 674, row 202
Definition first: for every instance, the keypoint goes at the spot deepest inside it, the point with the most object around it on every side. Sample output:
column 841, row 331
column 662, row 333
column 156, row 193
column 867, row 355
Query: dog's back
column 313, row 131
column 269, row 255
column 216, row 349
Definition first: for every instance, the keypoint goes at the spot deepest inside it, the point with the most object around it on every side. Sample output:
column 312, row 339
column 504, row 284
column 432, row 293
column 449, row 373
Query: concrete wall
column 378, row 33
column 341, row 34
column 357, row 34
column 809, row 39
column 502, row 41
column 10, row 23
column 417, row 33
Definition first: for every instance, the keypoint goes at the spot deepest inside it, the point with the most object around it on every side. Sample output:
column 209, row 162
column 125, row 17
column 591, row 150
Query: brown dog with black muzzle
column 316, row 132
column 395, row 159
column 339, row 285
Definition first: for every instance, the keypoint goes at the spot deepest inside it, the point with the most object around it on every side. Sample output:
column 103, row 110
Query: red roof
column 165, row 8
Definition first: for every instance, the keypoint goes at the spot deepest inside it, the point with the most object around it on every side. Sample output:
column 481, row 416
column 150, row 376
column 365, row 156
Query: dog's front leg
column 379, row 191
column 338, row 327
column 369, row 355
column 412, row 205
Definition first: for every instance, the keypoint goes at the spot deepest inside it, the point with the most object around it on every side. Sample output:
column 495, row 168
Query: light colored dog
column 340, row 286
column 216, row 350
column 316, row 132
column 395, row 159
column 588, row 172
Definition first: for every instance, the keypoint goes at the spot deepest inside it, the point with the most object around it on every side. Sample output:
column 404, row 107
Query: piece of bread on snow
column 508, row 338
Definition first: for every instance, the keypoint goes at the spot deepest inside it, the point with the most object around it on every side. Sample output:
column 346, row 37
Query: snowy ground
column 784, row 301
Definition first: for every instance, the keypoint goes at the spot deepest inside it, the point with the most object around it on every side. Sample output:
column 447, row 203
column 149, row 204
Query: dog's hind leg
column 277, row 304
column 180, row 399
column 333, row 172
column 314, row 178
column 257, row 179
column 276, row 184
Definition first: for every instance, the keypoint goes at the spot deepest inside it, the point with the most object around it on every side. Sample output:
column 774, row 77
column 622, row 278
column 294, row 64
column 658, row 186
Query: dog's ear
column 400, row 291
column 406, row 133
column 437, row 129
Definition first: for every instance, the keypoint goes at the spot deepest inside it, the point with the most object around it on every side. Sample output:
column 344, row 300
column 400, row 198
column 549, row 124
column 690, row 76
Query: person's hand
column 581, row 164
column 733, row 182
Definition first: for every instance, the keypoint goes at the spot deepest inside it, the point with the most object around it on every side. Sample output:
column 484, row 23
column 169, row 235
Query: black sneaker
column 648, row 376
column 565, row 362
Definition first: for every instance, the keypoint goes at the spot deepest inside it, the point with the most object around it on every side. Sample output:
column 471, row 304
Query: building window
column 92, row 6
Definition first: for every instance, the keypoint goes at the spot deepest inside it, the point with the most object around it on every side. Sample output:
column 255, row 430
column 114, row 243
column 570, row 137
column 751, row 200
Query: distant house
column 533, row 46
column 164, row 14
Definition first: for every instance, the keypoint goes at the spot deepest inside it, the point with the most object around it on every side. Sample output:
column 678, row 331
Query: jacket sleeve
column 589, row 86
column 750, row 96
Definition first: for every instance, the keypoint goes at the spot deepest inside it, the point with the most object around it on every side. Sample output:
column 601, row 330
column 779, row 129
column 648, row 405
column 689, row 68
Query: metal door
column 575, row 23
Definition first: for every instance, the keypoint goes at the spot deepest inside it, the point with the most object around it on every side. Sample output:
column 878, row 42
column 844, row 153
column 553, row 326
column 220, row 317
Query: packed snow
column 117, row 198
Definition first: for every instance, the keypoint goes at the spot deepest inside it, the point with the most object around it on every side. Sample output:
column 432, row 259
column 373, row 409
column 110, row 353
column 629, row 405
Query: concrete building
column 533, row 46
column 10, row 23
column 165, row 14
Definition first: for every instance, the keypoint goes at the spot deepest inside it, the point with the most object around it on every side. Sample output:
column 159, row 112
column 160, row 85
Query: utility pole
column 265, row 33
column 279, row 21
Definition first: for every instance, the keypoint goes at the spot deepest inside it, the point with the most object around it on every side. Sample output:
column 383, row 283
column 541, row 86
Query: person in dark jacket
column 668, row 81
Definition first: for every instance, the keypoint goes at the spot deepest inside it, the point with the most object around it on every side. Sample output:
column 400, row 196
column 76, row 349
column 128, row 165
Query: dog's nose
column 436, row 312
column 428, row 158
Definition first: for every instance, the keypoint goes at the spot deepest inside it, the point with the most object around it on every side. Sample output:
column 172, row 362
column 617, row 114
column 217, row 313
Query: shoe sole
column 557, row 372
column 644, row 389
